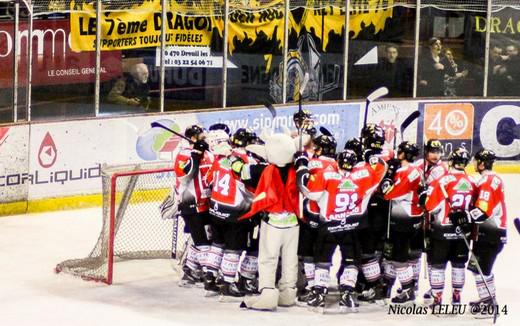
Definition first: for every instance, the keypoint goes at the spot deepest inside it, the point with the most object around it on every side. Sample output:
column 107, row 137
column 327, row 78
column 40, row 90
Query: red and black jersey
column 491, row 201
column 230, row 198
column 343, row 197
column 406, row 213
column 191, row 182
column 317, row 166
column 456, row 190
column 322, row 163
column 405, row 201
column 433, row 171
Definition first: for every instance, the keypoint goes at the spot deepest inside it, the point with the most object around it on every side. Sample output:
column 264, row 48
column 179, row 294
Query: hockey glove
column 422, row 192
column 459, row 217
column 237, row 164
column 386, row 185
column 200, row 146
column 388, row 250
column 368, row 154
column 393, row 165
column 477, row 215
column 313, row 218
column 300, row 159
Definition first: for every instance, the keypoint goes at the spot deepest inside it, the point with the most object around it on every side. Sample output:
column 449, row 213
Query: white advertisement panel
column 190, row 56
column 390, row 115
column 14, row 165
column 66, row 157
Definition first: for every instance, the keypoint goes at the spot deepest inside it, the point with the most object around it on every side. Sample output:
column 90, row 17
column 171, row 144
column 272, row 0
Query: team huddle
column 266, row 214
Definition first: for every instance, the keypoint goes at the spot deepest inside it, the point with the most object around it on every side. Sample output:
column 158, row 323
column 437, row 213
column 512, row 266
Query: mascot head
column 279, row 149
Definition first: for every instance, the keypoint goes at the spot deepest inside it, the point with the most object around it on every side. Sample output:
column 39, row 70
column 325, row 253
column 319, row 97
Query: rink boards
column 57, row 165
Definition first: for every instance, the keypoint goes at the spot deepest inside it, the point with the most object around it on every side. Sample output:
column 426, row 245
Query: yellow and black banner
column 138, row 25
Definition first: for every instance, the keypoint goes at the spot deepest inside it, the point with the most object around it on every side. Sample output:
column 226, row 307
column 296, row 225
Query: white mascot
column 277, row 197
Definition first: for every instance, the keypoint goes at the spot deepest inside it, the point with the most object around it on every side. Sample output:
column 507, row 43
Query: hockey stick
column 458, row 231
column 325, row 131
column 303, row 85
column 156, row 124
column 390, row 201
column 408, row 121
column 269, row 106
column 517, row 224
column 378, row 93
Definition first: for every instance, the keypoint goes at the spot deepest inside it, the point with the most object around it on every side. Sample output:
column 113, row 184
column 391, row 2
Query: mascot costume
column 276, row 197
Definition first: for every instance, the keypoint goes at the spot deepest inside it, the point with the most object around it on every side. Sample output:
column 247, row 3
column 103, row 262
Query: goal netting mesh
column 132, row 224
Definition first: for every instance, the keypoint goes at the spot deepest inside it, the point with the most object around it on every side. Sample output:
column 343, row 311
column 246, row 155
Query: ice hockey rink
column 146, row 292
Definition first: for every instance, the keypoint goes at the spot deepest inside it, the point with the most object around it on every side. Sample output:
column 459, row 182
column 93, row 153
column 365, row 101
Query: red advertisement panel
column 54, row 62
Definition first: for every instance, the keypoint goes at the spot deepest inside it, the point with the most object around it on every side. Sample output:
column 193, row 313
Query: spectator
column 510, row 71
column 453, row 74
column 495, row 64
column 431, row 70
column 132, row 89
column 394, row 73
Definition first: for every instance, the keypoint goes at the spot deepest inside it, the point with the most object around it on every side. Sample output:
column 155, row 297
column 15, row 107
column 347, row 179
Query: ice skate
column 348, row 302
column 317, row 298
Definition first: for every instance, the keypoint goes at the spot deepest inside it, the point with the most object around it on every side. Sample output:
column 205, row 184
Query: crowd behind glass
column 451, row 63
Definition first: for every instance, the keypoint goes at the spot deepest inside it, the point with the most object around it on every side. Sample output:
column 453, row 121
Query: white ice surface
column 145, row 293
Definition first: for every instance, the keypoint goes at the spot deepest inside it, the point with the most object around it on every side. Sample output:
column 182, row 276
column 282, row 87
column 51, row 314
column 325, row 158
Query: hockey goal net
column 133, row 227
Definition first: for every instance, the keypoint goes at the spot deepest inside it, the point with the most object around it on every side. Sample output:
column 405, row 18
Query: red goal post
column 133, row 227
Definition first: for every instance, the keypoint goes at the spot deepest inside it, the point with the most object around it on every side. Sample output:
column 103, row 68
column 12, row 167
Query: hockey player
column 247, row 276
column 400, row 187
column 277, row 197
column 490, row 214
column 229, row 200
column 355, row 145
column 432, row 168
column 323, row 160
column 343, row 199
column 191, row 166
column 449, row 199
column 372, row 238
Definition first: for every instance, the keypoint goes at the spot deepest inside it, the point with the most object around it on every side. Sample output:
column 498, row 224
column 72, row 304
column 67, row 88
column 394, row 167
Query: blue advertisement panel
column 473, row 125
column 497, row 127
column 341, row 119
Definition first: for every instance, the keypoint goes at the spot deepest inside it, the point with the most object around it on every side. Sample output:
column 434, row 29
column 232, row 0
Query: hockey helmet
column 218, row 141
column 255, row 140
column 326, row 145
column 487, row 157
column 354, row 144
column 409, row 149
column 347, row 159
column 433, row 146
column 373, row 136
column 242, row 137
column 220, row 126
column 459, row 158
column 193, row 131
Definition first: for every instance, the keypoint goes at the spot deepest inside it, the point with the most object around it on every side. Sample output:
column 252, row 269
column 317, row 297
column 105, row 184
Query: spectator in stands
column 496, row 61
column 511, row 71
column 132, row 89
column 431, row 70
column 394, row 73
column 454, row 74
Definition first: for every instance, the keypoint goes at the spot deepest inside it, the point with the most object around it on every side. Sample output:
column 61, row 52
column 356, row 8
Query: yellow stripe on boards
column 77, row 202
